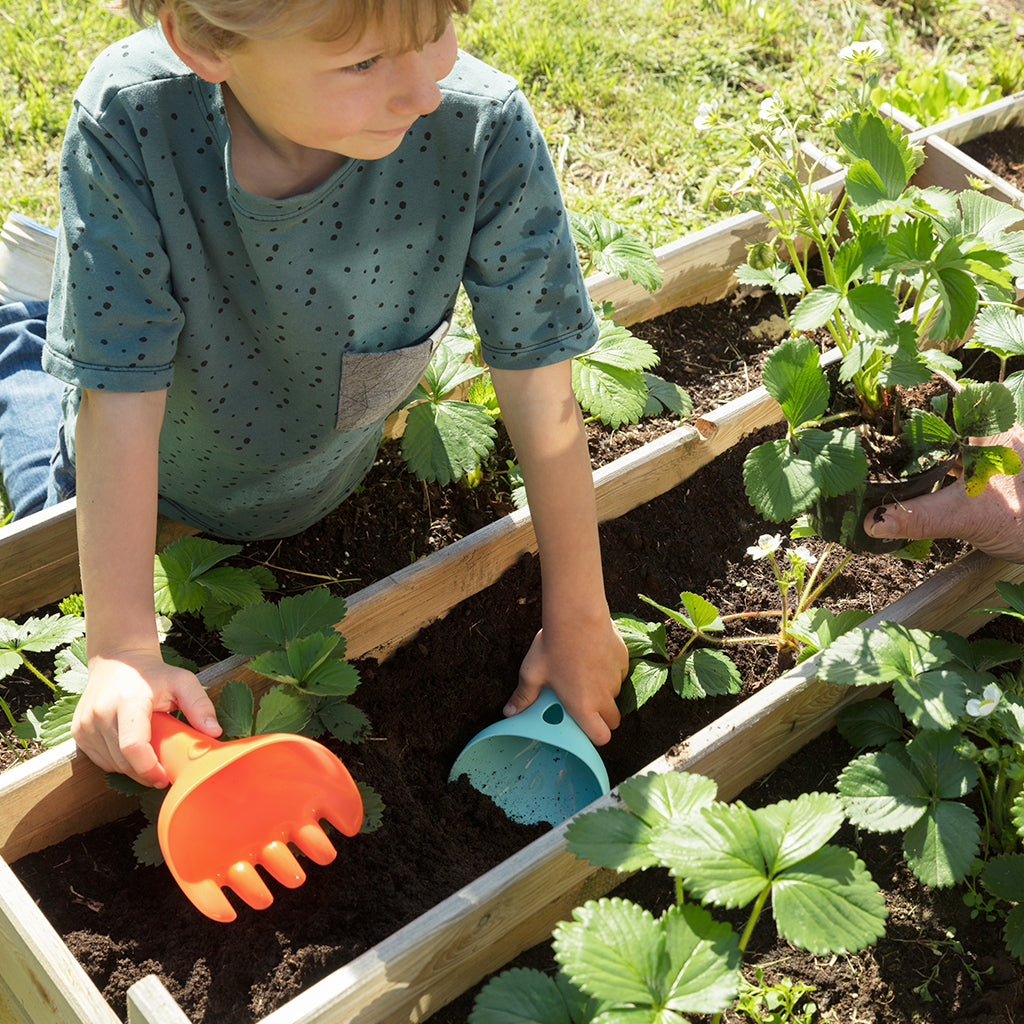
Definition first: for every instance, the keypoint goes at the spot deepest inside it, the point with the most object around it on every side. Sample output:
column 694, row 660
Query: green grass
column 615, row 83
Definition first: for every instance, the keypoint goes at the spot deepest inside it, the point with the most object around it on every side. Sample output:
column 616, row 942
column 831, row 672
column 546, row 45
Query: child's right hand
column 112, row 722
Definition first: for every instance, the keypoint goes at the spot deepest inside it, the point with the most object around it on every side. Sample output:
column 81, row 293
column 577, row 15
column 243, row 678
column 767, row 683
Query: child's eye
column 363, row 65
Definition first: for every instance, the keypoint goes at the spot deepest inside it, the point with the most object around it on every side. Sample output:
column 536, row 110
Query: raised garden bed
column 441, row 953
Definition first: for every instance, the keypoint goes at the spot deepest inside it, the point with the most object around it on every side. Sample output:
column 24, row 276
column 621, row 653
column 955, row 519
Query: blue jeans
column 34, row 463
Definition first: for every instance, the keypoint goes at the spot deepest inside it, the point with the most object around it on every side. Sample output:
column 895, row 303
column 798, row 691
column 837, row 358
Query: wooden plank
column 39, row 557
column 150, row 1003
column 40, row 981
column 516, row 905
column 972, row 124
column 58, row 785
column 947, row 167
column 698, row 268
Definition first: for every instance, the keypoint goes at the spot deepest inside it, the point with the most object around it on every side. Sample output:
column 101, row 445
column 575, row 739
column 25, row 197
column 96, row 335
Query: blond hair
column 222, row 25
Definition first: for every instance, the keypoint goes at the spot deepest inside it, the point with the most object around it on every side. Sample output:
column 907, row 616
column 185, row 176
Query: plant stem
column 39, row 675
column 748, row 930
column 818, row 591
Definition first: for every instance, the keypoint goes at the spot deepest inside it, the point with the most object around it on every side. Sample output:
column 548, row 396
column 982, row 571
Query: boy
column 266, row 212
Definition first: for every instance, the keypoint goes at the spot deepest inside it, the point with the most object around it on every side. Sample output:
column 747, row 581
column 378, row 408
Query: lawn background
column 615, row 83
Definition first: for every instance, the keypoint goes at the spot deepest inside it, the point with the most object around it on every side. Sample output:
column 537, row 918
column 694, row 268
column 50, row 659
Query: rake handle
column 177, row 744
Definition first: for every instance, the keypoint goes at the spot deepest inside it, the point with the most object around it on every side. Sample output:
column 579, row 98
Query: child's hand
column 112, row 722
column 585, row 668
column 992, row 521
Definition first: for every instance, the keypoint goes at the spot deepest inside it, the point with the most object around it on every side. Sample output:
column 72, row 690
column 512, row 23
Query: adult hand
column 585, row 668
column 992, row 521
column 112, row 721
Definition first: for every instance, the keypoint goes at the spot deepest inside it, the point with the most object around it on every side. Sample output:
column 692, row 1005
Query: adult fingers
column 944, row 513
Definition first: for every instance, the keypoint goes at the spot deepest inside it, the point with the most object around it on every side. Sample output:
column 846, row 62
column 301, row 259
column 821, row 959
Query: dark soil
column 1002, row 152
column 123, row 921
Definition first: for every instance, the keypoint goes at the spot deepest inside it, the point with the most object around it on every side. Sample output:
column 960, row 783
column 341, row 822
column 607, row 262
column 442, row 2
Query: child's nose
column 416, row 89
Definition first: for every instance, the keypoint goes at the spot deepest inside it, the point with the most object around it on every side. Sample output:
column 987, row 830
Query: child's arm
column 116, row 444
column 578, row 652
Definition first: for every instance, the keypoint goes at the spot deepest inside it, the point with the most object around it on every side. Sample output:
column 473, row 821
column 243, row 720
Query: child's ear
column 206, row 64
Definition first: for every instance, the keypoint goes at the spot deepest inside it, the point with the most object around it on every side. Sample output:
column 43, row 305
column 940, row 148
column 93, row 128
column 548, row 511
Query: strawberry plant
column 617, row 962
column 698, row 665
column 947, row 765
column 446, row 437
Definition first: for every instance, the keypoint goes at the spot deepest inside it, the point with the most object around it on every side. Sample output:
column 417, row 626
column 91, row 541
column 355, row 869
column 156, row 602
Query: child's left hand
column 585, row 668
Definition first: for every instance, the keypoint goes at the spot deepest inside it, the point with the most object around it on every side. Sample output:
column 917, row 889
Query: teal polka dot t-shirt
column 285, row 330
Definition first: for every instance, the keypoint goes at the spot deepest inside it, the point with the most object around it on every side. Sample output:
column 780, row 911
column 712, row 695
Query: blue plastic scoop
column 536, row 766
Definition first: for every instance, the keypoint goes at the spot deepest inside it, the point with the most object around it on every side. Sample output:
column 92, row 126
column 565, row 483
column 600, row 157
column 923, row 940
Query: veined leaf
column 1015, row 385
column 611, row 838
column 56, row 726
column 282, row 709
column 870, row 723
column 982, row 462
column 931, row 700
column 943, row 769
column 985, row 217
column 658, row 797
column 871, row 308
column 617, row 346
column 779, row 277
column 883, row 159
column 448, row 368
column 44, row 633
column 1003, row 876
column 828, row 903
column 815, row 309
column 177, row 572
column 236, row 710
column 520, row 996
column 261, row 627
column 646, row 678
column 71, row 667
column 445, row 440
column 942, row 846
column 816, row 628
column 924, row 431
column 696, row 613
column 882, row 792
column 616, row 951
column 856, row 257
column 1000, row 330
column 863, row 657
column 146, row 846
column 312, row 663
column 615, row 250
column 783, row 478
column 341, row 719
column 794, row 379
column 959, row 304
column 705, row 673
column 980, row 410
column 665, row 397
column 911, row 246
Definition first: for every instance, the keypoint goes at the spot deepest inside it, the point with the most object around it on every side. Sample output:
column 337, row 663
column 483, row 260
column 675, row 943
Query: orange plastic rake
column 239, row 803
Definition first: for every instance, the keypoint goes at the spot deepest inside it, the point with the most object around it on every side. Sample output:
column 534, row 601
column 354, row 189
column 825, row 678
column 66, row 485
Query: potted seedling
column 890, row 279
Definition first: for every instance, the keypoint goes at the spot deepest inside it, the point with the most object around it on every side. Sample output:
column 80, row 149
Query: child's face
column 354, row 98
